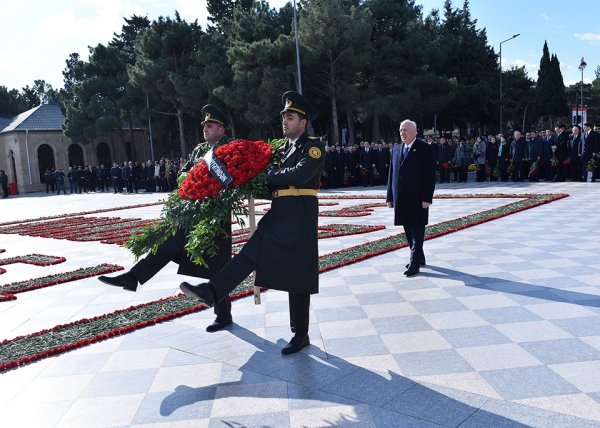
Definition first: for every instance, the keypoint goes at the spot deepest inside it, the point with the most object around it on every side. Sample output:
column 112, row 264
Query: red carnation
column 242, row 159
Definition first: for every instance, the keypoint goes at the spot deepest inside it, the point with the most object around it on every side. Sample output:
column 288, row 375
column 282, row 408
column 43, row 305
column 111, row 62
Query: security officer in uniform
column 283, row 250
column 173, row 249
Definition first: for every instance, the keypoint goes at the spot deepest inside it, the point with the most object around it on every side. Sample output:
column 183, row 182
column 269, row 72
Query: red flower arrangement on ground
column 8, row 291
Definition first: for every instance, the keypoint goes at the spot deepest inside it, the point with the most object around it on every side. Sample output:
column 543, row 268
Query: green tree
column 472, row 62
column 335, row 35
column 260, row 58
column 550, row 97
column 519, row 99
column 11, row 102
column 165, row 62
column 97, row 95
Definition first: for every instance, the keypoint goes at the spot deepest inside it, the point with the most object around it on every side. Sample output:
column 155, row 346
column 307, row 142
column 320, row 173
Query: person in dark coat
column 561, row 151
column 283, row 250
column 535, row 154
column 72, row 177
column 411, row 183
column 503, row 158
column 492, row 157
column 173, row 249
column 4, row 183
column 367, row 159
column 81, row 180
column 444, row 159
column 591, row 147
column 547, row 153
column 59, row 178
column 575, row 154
column 519, row 152
column 116, row 174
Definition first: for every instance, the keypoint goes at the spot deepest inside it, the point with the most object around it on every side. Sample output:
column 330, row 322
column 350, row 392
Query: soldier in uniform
column 283, row 250
column 173, row 249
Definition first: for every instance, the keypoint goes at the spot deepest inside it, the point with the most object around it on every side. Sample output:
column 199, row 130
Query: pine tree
column 550, row 97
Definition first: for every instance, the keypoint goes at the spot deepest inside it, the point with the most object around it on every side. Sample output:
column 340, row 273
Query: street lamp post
column 582, row 65
column 504, row 41
column 297, row 50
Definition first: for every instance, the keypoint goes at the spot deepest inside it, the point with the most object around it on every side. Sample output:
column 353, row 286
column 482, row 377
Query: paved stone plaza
column 502, row 328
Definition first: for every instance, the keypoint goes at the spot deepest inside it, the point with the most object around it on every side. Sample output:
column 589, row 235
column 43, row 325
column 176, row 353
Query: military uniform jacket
column 411, row 182
column 216, row 263
column 284, row 246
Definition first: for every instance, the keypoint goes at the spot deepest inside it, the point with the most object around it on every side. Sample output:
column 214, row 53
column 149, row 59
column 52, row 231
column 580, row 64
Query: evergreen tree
column 519, row 99
column 334, row 34
column 261, row 62
column 11, row 102
column 472, row 63
column 100, row 97
column 165, row 62
column 550, row 97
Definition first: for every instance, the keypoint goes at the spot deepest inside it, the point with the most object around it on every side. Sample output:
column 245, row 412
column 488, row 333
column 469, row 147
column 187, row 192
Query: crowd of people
column 157, row 176
column 549, row 155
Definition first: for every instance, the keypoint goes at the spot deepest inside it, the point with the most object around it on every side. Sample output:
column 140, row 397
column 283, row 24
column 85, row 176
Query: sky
column 38, row 35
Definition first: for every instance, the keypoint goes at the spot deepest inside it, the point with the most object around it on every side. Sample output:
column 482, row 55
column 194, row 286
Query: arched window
column 75, row 155
column 45, row 156
column 103, row 155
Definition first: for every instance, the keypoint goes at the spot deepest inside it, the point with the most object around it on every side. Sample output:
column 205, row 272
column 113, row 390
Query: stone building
column 33, row 141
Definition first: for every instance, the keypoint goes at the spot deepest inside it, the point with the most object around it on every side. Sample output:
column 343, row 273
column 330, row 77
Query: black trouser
column 576, row 168
column 150, row 265
column 238, row 269
column 444, row 174
column 480, row 172
column 415, row 235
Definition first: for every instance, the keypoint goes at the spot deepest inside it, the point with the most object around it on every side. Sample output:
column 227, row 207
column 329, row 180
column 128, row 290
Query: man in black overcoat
column 411, row 183
column 173, row 249
column 283, row 250
column 591, row 147
column 561, row 151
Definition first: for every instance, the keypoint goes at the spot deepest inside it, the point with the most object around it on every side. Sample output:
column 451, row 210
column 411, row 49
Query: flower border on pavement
column 61, row 338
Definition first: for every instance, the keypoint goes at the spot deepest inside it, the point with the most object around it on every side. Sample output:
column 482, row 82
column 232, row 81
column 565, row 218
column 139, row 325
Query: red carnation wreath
column 242, row 159
column 202, row 204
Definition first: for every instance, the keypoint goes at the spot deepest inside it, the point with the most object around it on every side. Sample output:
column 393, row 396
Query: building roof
column 45, row 117
column 4, row 122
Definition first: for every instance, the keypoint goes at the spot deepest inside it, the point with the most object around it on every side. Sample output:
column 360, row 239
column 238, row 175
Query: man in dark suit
column 561, row 151
column 411, row 183
column 367, row 159
column 575, row 153
column 283, row 250
column 173, row 249
column 547, row 153
column 591, row 147
column 519, row 152
column 535, row 154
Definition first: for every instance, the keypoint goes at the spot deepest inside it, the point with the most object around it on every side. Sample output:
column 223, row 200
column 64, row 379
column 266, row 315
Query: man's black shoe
column 202, row 292
column 407, row 265
column 125, row 280
column 412, row 271
column 296, row 344
column 218, row 325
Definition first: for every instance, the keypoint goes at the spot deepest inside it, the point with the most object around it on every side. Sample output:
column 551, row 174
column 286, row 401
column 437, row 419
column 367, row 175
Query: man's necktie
column 404, row 152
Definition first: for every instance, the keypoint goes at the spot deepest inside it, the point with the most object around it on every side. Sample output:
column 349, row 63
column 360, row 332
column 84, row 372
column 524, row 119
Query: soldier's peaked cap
column 211, row 113
column 295, row 102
